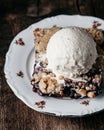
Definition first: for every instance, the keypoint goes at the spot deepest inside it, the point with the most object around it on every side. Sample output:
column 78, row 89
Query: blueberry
column 34, row 89
column 41, row 64
column 72, row 92
column 37, row 70
column 98, row 91
column 66, row 91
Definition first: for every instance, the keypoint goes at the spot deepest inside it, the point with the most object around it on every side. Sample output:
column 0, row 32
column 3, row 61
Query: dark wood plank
column 98, row 6
column 85, row 7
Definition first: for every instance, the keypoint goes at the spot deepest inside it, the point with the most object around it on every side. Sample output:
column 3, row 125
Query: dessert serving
column 68, row 62
column 63, row 58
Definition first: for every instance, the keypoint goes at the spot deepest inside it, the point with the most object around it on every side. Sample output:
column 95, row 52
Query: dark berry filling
column 70, row 88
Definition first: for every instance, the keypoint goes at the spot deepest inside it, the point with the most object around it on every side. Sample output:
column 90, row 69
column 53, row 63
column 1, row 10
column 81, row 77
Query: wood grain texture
column 14, row 17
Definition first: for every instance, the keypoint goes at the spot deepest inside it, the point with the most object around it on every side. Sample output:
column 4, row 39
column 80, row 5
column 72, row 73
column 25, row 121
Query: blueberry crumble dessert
column 68, row 62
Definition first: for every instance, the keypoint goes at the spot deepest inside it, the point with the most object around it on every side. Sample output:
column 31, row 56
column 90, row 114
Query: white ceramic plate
column 21, row 58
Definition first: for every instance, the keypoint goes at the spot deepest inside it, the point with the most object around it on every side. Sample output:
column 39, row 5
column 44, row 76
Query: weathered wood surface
column 14, row 17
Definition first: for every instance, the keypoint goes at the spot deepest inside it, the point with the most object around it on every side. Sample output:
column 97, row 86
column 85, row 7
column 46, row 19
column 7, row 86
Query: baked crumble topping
column 46, row 83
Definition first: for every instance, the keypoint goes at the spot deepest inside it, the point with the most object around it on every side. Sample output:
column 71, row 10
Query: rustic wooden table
column 14, row 17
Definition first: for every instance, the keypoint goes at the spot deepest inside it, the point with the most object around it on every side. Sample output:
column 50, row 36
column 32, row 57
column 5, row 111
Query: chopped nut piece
column 97, row 76
column 97, row 35
column 78, row 88
column 61, row 93
column 47, row 85
column 83, row 92
column 91, row 94
column 91, row 86
column 43, row 74
column 83, row 86
column 51, row 88
column 61, row 77
column 80, row 84
column 88, row 88
column 97, row 80
column 52, row 75
column 45, row 79
column 42, row 86
column 42, row 83
column 94, row 81
column 37, row 78
column 54, row 81
column 33, row 81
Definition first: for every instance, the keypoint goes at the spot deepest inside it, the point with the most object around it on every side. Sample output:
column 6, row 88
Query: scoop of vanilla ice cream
column 71, row 52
